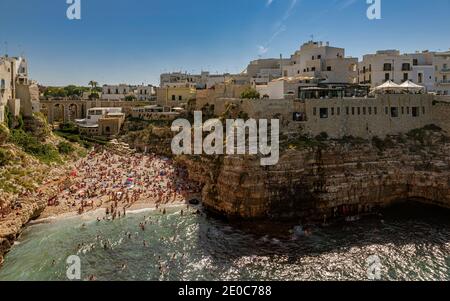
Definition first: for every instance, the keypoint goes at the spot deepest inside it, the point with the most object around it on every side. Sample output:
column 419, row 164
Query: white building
column 143, row 92
column 321, row 61
column 375, row 69
column 262, row 71
column 117, row 92
column 285, row 87
column 441, row 64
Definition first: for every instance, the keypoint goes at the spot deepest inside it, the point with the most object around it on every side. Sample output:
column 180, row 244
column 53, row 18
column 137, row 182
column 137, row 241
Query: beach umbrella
column 410, row 86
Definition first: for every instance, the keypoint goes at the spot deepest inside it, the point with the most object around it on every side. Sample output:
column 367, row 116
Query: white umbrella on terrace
column 388, row 86
column 410, row 86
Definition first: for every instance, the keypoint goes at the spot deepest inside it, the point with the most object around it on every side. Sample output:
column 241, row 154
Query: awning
column 409, row 85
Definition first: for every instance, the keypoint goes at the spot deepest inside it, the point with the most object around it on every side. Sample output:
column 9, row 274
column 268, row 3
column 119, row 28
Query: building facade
column 262, row 71
column 16, row 91
column 442, row 72
column 321, row 61
column 384, row 65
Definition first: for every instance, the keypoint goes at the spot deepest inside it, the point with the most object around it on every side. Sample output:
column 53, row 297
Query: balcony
column 445, row 70
column 444, row 82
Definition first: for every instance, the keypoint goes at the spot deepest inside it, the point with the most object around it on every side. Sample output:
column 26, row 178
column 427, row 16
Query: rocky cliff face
column 329, row 179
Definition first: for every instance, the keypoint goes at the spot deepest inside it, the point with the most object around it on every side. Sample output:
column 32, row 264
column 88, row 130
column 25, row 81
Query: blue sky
column 133, row 41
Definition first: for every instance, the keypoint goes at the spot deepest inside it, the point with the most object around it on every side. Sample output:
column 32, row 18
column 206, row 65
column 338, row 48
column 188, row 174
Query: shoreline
column 101, row 212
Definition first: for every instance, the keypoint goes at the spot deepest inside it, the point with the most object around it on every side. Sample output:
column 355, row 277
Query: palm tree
column 93, row 85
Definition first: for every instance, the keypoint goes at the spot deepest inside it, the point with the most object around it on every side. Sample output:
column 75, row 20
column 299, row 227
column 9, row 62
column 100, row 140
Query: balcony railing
column 445, row 82
column 445, row 70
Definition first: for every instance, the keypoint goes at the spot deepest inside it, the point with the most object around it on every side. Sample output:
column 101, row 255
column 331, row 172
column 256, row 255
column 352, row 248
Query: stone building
column 175, row 96
column 102, row 122
column 117, row 92
column 16, row 91
column 364, row 117
column 321, row 61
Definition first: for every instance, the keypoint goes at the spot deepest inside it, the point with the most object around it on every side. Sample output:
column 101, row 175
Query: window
column 353, row 110
column 407, row 110
column 415, row 62
column 364, row 111
column 174, row 97
column 323, row 113
column 386, row 110
column 117, row 91
column 332, row 111
column 370, row 110
column 403, row 110
column 420, row 78
column 394, row 112
column 415, row 112
column 338, row 111
column 406, row 67
column 313, row 57
column 375, row 110
column 314, row 111
column 180, row 97
column 313, row 69
column 387, row 76
column 405, row 77
column 319, row 57
column 359, row 111
column 347, row 110
column 109, row 91
column 387, row 67
column 2, row 84
column 329, row 68
column 423, row 110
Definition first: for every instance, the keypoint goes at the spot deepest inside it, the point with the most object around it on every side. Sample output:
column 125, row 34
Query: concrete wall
column 14, row 107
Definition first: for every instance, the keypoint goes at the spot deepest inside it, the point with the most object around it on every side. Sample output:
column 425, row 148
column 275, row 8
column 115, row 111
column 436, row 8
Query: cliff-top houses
column 318, row 88
column 17, row 92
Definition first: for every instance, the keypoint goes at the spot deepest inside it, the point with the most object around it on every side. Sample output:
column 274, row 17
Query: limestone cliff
column 328, row 178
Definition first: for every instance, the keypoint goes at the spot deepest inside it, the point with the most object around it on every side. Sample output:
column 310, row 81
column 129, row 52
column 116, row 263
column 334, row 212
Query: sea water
column 411, row 243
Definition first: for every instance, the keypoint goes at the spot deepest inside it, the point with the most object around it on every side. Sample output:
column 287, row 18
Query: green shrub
column 65, row 148
column 69, row 127
column 322, row 136
column 250, row 93
column 31, row 145
column 5, row 157
column 4, row 133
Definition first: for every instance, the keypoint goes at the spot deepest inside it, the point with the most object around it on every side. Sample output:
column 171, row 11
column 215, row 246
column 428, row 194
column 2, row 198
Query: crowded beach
column 116, row 183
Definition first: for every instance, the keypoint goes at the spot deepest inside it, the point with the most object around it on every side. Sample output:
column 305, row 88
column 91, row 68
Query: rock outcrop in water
column 315, row 180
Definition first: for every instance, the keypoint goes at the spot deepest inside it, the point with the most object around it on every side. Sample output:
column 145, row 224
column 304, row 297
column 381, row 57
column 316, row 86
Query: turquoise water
column 412, row 244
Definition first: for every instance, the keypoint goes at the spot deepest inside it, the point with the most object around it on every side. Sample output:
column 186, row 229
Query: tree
column 130, row 98
column 250, row 93
column 93, row 85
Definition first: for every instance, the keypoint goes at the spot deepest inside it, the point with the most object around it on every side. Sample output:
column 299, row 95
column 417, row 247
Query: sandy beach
column 110, row 185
